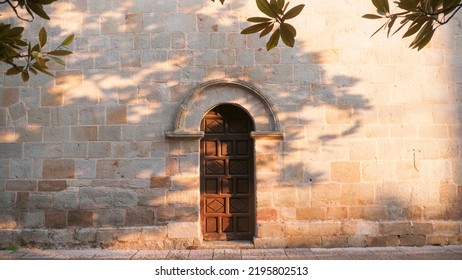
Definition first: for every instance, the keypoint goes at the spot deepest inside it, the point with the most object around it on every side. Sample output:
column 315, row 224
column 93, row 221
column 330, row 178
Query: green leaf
column 259, row 19
column 267, row 30
column 57, row 60
column 42, row 37
column 280, row 4
column 265, row 8
column 255, row 28
column 38, row 9
column 415, row 26
column 25, row 76
column 60, row 52
column 390, row 25
column 295, row 11
column 372, row 16
column 424, row 36
column 274, row 40
column 69, row 39
column 12, row 71
column 382, row 6
column 286, row 35
column 275, row 6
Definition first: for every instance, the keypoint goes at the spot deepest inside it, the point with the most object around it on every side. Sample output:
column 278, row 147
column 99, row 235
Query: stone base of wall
column 116, row 238
column 272, row 235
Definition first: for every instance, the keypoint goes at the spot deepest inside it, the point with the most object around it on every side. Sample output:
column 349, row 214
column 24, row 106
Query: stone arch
column 206, row 96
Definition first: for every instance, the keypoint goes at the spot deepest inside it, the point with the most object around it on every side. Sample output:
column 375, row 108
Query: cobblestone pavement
column 382, row 253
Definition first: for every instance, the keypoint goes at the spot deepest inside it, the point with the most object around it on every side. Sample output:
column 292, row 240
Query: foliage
column 277, row 13
column 23, row 57
column 422, row 17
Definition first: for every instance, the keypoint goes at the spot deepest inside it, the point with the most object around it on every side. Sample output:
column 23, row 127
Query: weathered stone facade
column 357, row 139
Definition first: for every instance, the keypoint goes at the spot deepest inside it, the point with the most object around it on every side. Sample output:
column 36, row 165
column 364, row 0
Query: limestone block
column 55, row 219
column 165, row 213
column 158, row 182
column 131, row 149
column 22, row 200
column 448, row 193
column 334, row 241
column 138, row 216
column 312, row 213
column 303, row 242
column 95, row 198
column 217, row 40
column 422, row 228
column 56, row 134
column 323, row 195
column 91, row 115
column 183, row 197
column 17, row 111
column 376, row 171
column 200, row 41
column 33, row 219
column 33, row 236
column 152, row 197
column 363, row 150
column 375, row 213
column 336, row 213
column 395, row 228
column 183, row 230
column 32, row 133
column 434, row 212
column 178, row 40
column 106, row 236
column 146, row 168
column 21, row 185
column 58, row 169
column 66, row 200
column 75, row 150
column 347, row 172
column 325, row 229
column 109, row 217
column 358, row 194
column 267, row 214
column 263, row 57
column 114, row 169
column 184, row 183
column 382, row 241
column 80, row 218
column 181, row 23
column 9, row 96
column 125, row 198
column 10, row 150
column 52, row 185
column 447, row 227
column 154, row 233
column 285, row 196
column 40, row 201
column 266, row 162
column 19, row 169
column 412, row 240
column 7, row 199
column 84, row 133
column 85, row 234
column 267, row 243
column 186, row 214
column 43, row 150
column 129, row 235
column 116, row 114
column 99, row 149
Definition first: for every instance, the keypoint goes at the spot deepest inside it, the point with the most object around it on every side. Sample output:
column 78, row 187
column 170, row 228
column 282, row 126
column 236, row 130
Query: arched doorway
column 227, row 175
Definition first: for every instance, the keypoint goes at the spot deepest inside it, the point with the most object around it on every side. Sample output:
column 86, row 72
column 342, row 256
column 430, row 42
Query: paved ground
column 388, row 253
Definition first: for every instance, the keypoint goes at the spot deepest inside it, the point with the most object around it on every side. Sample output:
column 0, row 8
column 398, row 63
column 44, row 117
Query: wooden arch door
column 227, row 175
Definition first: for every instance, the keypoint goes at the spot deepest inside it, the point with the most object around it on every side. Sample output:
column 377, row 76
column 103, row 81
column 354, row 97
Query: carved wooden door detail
column 227, row 175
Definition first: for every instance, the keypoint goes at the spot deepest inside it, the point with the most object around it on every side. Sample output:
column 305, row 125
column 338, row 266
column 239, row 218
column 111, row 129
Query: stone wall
column 363, row 148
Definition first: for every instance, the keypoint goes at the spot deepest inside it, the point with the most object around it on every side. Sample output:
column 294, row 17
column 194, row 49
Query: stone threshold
column 235, row 244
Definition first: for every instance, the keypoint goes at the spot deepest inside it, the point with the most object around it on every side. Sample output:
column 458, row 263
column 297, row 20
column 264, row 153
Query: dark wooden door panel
column 227, row 175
